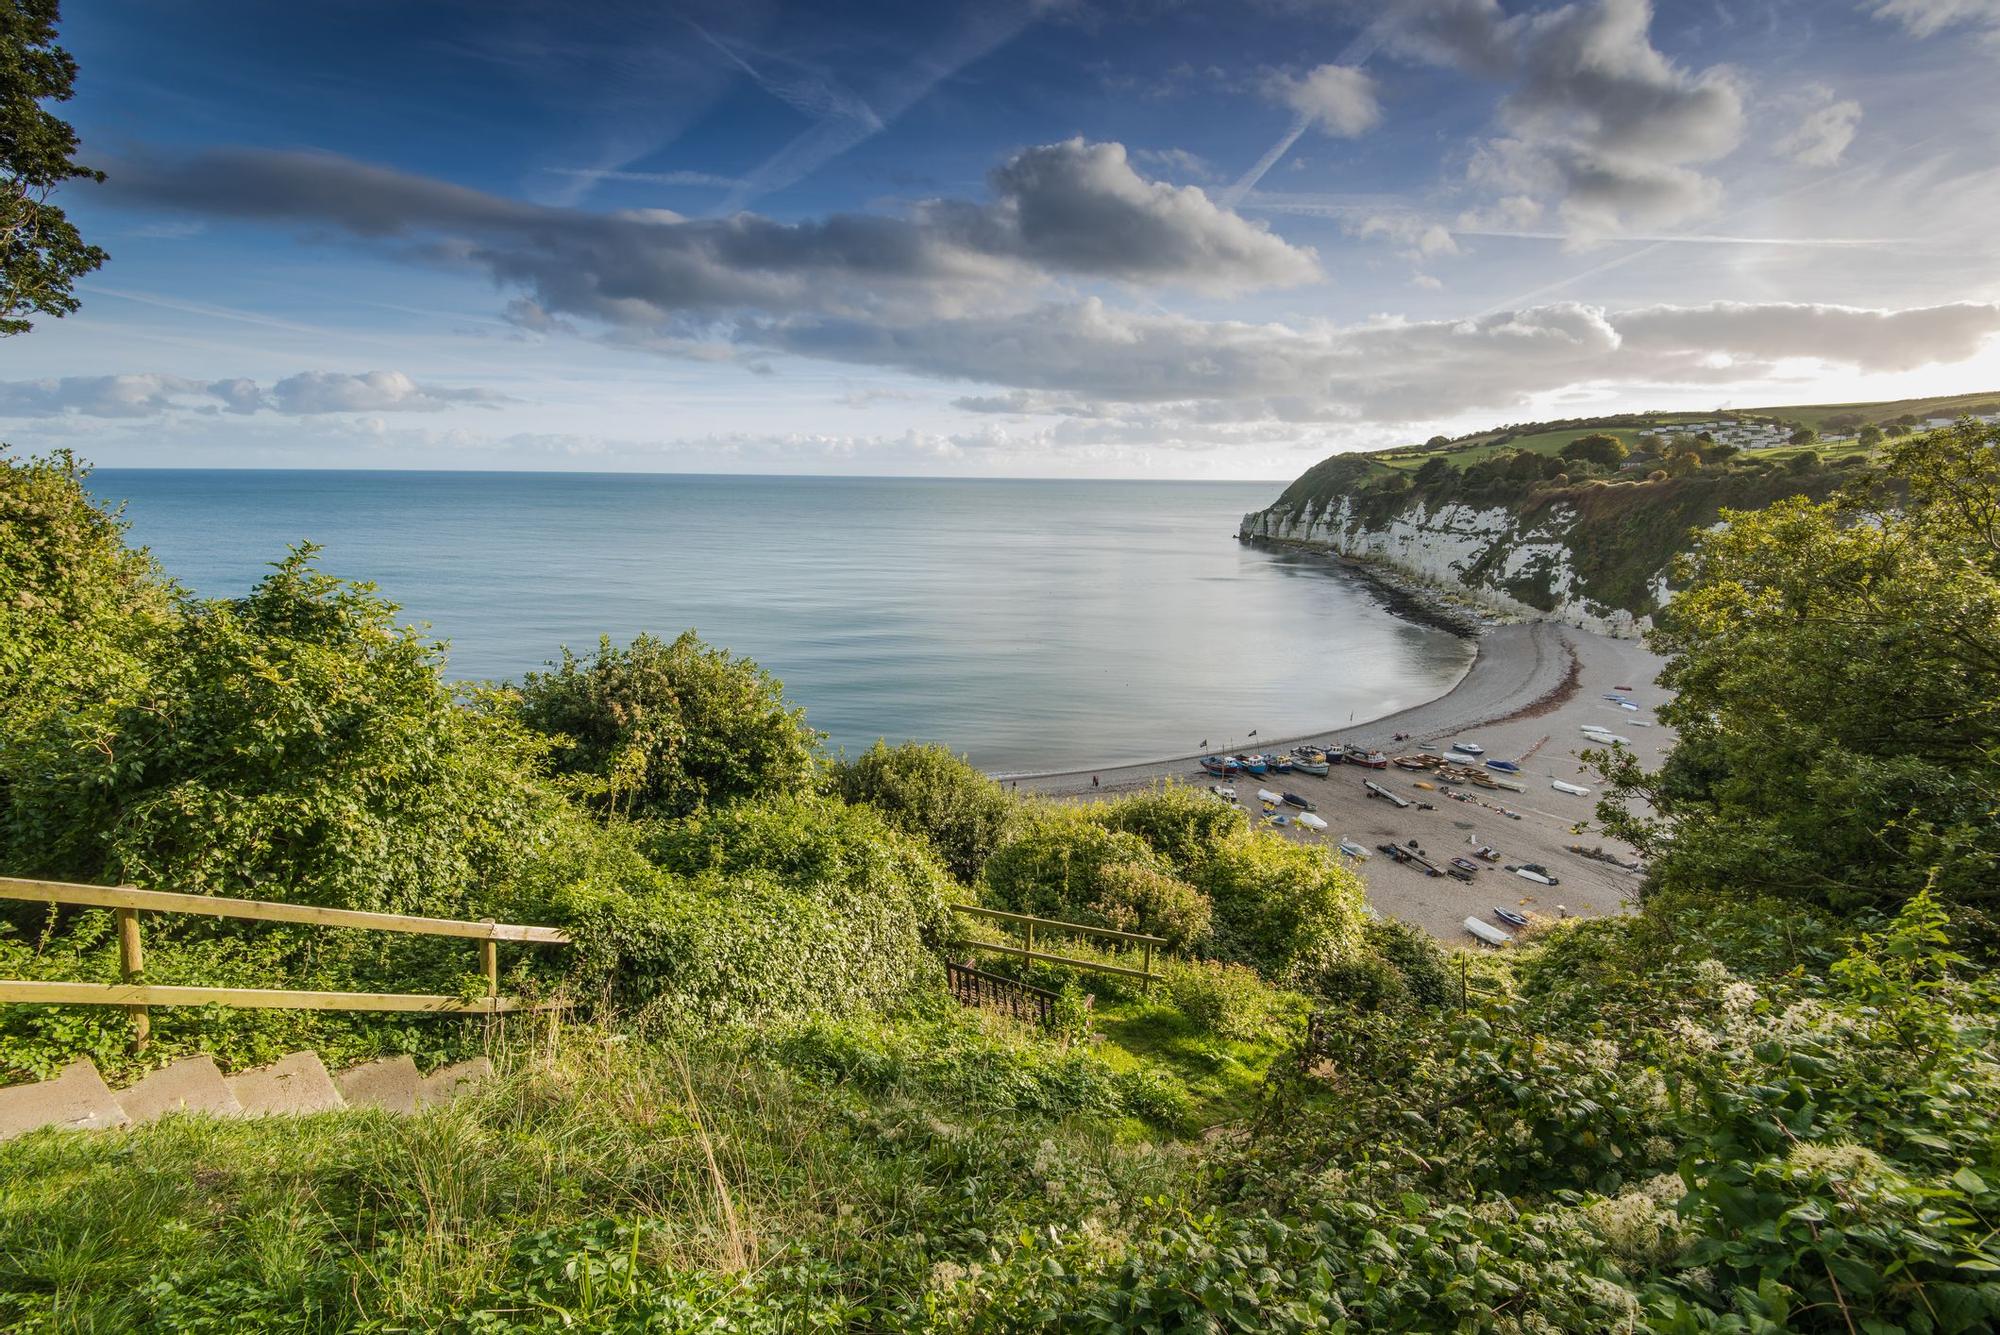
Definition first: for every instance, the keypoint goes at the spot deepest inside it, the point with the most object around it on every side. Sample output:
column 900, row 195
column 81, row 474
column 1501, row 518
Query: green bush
column 1415, row 956
column 928, row 791
column 1133, row 898
column 1227, row 1000
column 1278, row 903
column 1057, row 862
column 662, row 729
column 1183, row 824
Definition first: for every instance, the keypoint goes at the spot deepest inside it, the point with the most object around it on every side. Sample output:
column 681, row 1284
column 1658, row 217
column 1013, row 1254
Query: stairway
column 77, row 1099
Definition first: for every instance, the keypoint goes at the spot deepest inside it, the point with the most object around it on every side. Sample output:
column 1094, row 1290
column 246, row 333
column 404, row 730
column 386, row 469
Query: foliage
column 1228, row 1000
column 793, row 907
column 1836, row 679
column 1136, row 898
column 1280, row 907
column 1181, row 823
column 41, row 252
column 1596, row 448
column 925, row 790
column 1059, row 862
column 1415, row 956
column 662, row 729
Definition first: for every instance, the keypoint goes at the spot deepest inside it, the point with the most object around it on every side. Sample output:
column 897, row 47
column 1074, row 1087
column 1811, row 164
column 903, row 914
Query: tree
column 1599, row 448
column 1835, row 669
column 1805, row 435
column 929, row 792
column 1433, row 472
column 1871, row 436
column 1437, row 442
column 41, row 252
column 661, row 729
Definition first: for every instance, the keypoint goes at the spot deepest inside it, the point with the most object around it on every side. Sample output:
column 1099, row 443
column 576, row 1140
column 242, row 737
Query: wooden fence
column 128, row 903
column 1026, row 950
column 1023, row 1001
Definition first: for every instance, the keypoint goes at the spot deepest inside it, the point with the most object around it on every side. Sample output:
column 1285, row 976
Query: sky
column 1006, row 238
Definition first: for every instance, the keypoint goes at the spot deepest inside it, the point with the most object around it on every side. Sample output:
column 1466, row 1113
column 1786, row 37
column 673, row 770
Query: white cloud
column 1927, row 18
column 1067, row 209
column 1823, row 135
column 1337, row 99
column 310, row 392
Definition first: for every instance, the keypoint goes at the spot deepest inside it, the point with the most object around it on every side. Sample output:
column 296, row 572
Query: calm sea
column 1031, row 625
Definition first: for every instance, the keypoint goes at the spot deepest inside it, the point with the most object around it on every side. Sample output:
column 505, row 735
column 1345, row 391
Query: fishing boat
column 1310, row 821
column 1220, row 766
column 1573, row 789
column 1354, row 850
column 1487, row 932
column 1465, row 863
column 1469, row 748
column 1504, row 766
column 1508, row 916
column 1281, row 764
column 1310, row 760
column 1413, row 762
column 1252, row 764
column 1357, row 755
column 1294, row 800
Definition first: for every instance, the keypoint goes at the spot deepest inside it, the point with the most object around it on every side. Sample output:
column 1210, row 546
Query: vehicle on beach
column 1223, row 791
column 1294, row 800
column 1375, row 789
column 1487, row 932
column 1510, row 917
column 1504, row 766
column 1487, row 852
column 1469, row 748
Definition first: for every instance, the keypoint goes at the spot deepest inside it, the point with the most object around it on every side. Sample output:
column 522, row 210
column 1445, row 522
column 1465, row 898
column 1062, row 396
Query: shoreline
column 1516, row 669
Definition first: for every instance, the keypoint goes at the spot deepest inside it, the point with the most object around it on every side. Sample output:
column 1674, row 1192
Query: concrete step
column 294, row 1084
column 391, row 1084
column 449, row 1082
column 76, row 1100
column 190, row 1085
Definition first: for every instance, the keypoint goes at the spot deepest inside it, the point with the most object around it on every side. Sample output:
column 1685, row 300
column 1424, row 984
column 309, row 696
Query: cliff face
column 1518, row 564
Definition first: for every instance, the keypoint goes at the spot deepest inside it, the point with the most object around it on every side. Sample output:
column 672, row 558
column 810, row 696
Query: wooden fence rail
column 1027, row 922
column 127, row 902
column 1023, row 1001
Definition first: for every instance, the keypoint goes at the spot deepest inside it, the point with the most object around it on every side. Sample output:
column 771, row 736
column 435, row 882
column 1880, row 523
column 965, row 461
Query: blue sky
column 1054, row 238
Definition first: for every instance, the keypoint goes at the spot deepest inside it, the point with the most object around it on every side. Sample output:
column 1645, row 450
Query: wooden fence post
column 1146, row 988
column 489, row 963
column 131, row 963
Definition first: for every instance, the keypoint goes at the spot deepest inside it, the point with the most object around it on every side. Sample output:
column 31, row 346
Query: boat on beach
column 1508, row 916
column 1311, row 822
column 1487, row 932
column 1356, row 755
column 1310, row 760
column 1504, row 766
column 1280, row 764
column 1253, row 764
column 1573, row 789
column 1220, row 766
column 1354, row 850
column 1266, row 795
column 1294, row 800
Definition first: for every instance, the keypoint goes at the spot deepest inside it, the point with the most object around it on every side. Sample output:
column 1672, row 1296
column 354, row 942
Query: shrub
column 1415, row 956
column 1056, row 864
column 663, row 729
column 1183, row 824
column 1277, row 902
column 1227, row 1000
column 928, row 791
column 1134, row 898
column 1366, row 984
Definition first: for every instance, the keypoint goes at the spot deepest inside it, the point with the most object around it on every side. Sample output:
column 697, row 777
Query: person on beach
column 1093, row 781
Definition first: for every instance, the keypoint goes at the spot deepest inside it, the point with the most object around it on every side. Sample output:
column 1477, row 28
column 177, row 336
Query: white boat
column 1574, row 789
column 1605, row 735
column 1224, row 791
column 1627, row 704
column 1310, row 821
column 1354, row 850
column 1487, row 932
column 1266, row 795
column 1469, row 748
column 1534, row 876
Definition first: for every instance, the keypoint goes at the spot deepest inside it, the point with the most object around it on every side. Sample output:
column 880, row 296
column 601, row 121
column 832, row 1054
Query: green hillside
column 1766, row 1100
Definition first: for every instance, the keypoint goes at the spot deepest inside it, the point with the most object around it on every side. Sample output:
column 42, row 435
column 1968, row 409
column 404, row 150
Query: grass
column 1943, row 405
column 602, row 1183
column 1223, row 1077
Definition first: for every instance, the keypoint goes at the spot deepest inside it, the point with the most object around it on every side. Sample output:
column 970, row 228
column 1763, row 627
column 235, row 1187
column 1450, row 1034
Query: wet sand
column 1524, row 699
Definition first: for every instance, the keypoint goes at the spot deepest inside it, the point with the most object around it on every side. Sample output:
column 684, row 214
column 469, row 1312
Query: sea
column 1029, row 625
